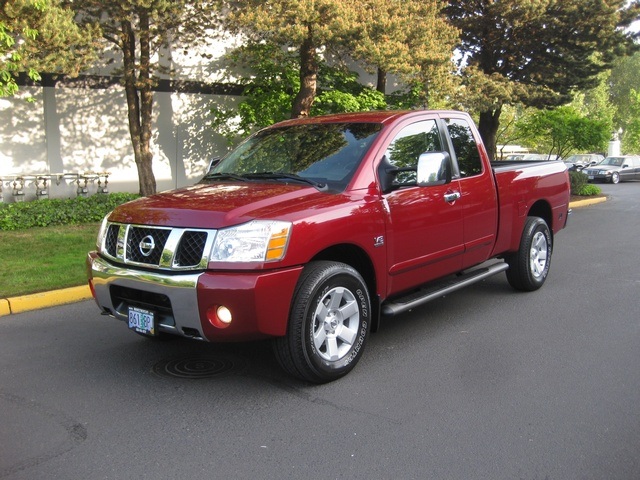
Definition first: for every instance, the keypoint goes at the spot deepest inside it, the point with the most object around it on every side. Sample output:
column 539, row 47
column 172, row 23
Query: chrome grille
column 154, row 239
column 111, row 240
column 190, row 248
column 158, row 247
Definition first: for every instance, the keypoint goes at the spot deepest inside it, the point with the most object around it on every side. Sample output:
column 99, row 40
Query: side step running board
column 425, row 295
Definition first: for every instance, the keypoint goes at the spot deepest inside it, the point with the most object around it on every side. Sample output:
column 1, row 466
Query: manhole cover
column 198, row 367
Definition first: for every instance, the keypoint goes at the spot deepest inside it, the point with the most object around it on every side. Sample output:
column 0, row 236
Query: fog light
column 219, row 316
column 224, row 315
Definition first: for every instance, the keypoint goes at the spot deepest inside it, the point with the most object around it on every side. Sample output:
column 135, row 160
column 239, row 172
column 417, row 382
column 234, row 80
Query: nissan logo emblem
column 146, row 245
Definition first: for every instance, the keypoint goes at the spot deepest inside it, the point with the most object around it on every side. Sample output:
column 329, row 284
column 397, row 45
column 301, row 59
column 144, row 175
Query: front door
column 425, row 227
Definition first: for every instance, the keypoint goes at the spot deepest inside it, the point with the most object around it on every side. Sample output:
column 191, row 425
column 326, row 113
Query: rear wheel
column 529, row 266
column 328, row 325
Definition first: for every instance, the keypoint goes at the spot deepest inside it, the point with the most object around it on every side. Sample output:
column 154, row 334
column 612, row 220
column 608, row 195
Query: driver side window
column 408, row 145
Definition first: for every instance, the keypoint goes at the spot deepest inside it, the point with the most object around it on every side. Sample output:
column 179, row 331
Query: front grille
column 158, row 247
column 111, row 240
column 190, row 248
column 145, row 245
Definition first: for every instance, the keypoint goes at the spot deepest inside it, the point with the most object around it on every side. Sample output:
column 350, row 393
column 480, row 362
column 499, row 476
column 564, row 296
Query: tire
column 529, row 266
column 329, row 323
column 615, row 177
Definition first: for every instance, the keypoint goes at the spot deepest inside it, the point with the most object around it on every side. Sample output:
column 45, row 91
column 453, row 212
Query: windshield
column 616, row 161
column 325, row 155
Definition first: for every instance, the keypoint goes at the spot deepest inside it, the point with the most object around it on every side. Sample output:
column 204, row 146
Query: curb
column 587, row 202
column 36, row 301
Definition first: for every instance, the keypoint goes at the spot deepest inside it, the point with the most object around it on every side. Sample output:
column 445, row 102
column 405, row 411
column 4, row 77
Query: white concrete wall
column 72, row 131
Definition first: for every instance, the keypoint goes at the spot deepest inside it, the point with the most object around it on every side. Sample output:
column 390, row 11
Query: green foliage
column 271, row 86
column 631, row 138
column 41, row 35
column 267, row 94
column 589, row 190
column 537, row 53
column 624, row 78
column 580, row 185
column 564, row 130
column 578, row 181
column 334, row 101
column 43, row 213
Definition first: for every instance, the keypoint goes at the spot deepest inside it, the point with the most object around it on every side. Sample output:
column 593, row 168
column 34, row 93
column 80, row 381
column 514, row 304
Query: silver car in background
column 615, row 169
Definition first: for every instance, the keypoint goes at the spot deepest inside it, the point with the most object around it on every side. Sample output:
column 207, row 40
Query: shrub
column 48, row 212
column 578, row 181
column 589, row 190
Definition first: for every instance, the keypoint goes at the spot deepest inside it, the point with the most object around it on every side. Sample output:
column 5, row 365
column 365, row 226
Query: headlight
column 604, row 172
column 102, row 232
column 256, row 241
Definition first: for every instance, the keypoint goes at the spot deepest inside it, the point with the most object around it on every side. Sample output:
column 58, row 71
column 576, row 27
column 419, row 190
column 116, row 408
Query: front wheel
column 529, row 266
column 615, row 177
column 328, row 325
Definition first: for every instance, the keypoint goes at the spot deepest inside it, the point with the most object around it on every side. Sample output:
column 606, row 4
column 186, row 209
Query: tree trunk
column 381, row 84
column 140, row 106
column 488, row 128
column 308, row 78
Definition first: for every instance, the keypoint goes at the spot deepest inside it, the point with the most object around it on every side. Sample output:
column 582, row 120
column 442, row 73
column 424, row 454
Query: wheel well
column 358, row 259
column 353, row 256
column 543, row 210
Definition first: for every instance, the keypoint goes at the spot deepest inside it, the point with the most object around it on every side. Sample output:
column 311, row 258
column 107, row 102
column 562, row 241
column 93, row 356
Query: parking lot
column 486, row 383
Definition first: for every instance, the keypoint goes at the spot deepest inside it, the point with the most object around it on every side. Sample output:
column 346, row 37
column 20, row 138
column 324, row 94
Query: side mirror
column 434, row 168
column 625, row 166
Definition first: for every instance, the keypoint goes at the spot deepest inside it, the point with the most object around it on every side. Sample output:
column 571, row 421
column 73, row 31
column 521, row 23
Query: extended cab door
column 479, row 202
column 424, row 226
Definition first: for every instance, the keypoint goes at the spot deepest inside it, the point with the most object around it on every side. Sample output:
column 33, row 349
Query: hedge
column 48, row 212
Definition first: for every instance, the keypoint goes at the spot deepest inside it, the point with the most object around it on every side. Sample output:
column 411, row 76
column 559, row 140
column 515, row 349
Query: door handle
column 451, row 197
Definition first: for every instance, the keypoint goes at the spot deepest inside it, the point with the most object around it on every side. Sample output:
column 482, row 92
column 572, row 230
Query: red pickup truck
column 312, row 230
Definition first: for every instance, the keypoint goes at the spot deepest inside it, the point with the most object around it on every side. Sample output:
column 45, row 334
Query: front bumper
column 184, row 304
column 599, row 177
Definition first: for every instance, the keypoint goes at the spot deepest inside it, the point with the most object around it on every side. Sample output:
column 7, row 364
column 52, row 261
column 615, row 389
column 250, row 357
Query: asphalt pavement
column 483, row 384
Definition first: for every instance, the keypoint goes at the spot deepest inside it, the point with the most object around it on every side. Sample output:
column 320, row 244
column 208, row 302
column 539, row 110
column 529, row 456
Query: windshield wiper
column 287, row 176
column 225, row 176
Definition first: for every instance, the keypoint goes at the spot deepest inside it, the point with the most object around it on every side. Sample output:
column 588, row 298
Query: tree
column 139, row 29
column 409, row 38
column 631, row 138
column 269, row 75
column 564, row 130
column 305, row 25
column 624, row 78
column 40, row 36
column 535, row 52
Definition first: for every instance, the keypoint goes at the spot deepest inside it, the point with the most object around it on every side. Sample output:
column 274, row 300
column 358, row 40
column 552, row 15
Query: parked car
column 583, row 160
column 615, row 169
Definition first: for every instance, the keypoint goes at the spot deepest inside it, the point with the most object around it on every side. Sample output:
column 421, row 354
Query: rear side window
column 465, row 147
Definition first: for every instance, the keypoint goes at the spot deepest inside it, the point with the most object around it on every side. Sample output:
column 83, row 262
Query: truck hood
column 222, row 204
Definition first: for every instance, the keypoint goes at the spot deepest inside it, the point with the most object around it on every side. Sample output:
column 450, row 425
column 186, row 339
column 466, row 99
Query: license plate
column 142, row 321
column 590, row 177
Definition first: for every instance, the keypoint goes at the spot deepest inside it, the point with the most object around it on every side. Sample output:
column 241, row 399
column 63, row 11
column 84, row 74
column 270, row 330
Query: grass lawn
column 42, row 259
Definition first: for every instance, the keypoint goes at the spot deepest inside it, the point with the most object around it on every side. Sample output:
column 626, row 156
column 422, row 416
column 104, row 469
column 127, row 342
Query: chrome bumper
column 173, row 298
